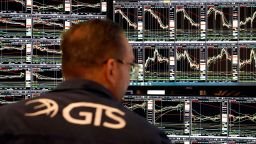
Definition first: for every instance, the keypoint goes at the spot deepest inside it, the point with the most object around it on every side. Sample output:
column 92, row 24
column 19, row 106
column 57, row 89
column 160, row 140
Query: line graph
column 127, row 18
column 223, row 54
column 219, row 63
column 215, row 12
column 187, row 63
column 156, row 17
column 43, row 49
column 124, row 16
column 4, row 77
column 187, row 17
column 186, row 55
column 220, row 22
column 6, row 47
column 156, row 65
column 250, row 61
column 88, row 7
column 12, row 26
column 247, row 63
column 156, row 57
column 10, row 21
column 12, row 52
column 46, row 77
column 247, row 22
column 12, row 77
column 206, row 118
column 48, row 22
column 242, row 119
column 45, row 27
column 75, row 20
column 137, row 106
column 42, row 6
column 47, row 7
column 13, row 6
column 161, row 112
column 156, row 22
column 46, row 52
column 188, row 22
column 170, row 116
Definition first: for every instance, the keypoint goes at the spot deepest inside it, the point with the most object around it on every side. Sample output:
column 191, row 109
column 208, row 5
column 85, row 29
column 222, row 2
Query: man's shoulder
column 77, row 113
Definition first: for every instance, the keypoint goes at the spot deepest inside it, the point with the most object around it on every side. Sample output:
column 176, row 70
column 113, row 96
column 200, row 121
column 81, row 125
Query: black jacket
column 77, row 111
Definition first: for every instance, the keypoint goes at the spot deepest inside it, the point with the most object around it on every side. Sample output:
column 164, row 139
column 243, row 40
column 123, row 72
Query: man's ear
column 111, row 71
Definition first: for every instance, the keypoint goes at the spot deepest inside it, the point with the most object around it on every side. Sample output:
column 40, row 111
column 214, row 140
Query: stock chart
column 206, row 118
column 247, row 23
column 156, row 19
column 188, row 22
column 195, row 119
column 169, row 115
column 185, row 43
column 154, row 59
column 30, row 35
column 190, row 43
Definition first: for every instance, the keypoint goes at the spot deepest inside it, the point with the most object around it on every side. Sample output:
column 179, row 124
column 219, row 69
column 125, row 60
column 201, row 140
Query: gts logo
column 51, row 108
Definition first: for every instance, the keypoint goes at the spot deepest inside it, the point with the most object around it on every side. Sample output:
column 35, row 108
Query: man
column 86, row 107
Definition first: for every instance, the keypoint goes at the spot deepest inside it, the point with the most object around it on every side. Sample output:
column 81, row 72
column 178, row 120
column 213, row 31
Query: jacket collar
column 86, row 85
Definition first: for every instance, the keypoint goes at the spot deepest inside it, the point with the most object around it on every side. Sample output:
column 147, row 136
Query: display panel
column 14, row 51
column 46, row 52
column 198, row 118
column 190, row 43
column 30, row 35
column 46, row 77
column 156, row 21
column 14, row 26
column 198, row 42
column 16, row 6
column 137, row 106
column 91, row 7
column 169, row 115
column 14, row 77
column 241, row 119
column 220, row 21
column 247, row 22
column 187, row 62
column 188, row 22
column 206, row 118
column 219, row 62
column 156, row 62
column 126, row 15
column 247, row 62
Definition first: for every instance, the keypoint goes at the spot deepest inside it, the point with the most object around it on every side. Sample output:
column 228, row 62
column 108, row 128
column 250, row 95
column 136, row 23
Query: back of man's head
column 89, row 43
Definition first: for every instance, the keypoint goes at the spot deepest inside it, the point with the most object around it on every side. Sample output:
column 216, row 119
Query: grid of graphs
column 190, row 43
column 30, row 34
column 195, row 63
column 186, row 21
column 187, row 43
column 193, row 43
column 197, row 119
